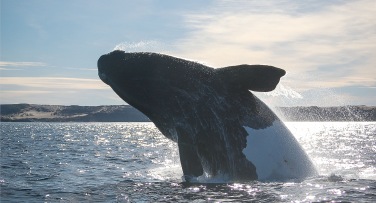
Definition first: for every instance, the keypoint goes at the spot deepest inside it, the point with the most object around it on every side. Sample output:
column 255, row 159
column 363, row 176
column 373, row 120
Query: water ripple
column 133, row 162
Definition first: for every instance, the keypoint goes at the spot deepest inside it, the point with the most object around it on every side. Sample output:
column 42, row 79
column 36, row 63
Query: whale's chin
column 103, row 77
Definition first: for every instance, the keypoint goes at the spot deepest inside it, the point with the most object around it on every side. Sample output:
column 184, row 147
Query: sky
column 50, row 48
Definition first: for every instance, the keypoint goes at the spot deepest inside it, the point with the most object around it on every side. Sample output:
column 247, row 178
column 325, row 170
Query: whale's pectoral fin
column 260, row 78
column 189, row 159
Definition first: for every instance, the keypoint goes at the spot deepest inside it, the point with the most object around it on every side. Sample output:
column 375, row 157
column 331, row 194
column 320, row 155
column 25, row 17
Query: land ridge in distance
column 126, row 113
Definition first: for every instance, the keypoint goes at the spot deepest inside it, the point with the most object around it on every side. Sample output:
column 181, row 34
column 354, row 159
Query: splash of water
column 141, row 46
column 284, row 91
column 320, row 104
column 281, row 96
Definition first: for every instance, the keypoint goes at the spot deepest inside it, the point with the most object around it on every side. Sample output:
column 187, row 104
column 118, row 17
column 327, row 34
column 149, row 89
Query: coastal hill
column 57, row 113
column 126, row 113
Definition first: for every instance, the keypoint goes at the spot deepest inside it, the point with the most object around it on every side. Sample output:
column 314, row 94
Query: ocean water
column 133, row 162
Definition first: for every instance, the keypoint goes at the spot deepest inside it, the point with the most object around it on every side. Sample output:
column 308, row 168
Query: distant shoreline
column 126, row 113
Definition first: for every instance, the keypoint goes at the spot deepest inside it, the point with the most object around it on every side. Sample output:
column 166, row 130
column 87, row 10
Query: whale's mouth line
column 113, row 85
column 104, row 77
column 109, row 82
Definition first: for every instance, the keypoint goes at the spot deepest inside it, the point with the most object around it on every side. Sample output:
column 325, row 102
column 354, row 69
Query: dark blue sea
column 133, row 162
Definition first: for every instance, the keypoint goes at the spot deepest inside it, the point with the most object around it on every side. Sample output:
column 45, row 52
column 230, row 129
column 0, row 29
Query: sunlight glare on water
column 134, row 162
column 346, row 148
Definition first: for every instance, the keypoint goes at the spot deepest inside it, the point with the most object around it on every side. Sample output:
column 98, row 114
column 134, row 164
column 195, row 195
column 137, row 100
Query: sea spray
column 143, row 46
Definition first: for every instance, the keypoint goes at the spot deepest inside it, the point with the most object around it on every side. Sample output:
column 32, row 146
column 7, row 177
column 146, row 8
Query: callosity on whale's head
column 207, row 111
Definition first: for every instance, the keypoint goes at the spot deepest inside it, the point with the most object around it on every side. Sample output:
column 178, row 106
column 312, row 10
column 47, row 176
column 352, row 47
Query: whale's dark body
column 203, row 109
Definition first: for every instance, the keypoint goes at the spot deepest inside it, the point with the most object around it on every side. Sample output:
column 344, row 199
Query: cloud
column 53, row 83
column 62, row 97
column 332, row 45
column 82, row 69
column 56, row 90
column 21, row 64
column 13, row 69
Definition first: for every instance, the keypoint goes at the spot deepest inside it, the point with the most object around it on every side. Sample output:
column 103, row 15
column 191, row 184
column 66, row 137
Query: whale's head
column 146, row 80
column 109, row 65
column 128, row 74
column 118, row 67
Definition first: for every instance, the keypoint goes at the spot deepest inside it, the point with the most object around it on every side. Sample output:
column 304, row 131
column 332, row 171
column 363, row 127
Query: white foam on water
column 166, row 173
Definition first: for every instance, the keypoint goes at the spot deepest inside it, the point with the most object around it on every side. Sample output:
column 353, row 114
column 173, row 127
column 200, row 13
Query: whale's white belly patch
column 276, row 154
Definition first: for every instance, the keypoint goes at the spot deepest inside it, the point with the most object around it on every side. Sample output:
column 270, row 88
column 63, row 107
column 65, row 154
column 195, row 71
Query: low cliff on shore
column 126, row 113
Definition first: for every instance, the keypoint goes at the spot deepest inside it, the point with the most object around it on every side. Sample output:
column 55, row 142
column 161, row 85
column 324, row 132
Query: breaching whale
column 221, row 128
